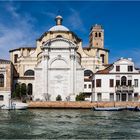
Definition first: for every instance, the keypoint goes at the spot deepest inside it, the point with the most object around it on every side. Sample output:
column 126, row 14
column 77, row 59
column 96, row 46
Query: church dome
column 58, row 26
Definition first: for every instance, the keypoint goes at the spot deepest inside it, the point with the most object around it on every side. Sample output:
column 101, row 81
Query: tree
column 17, row 91
column 58, row 98
column 23, row 90
column 80, row 97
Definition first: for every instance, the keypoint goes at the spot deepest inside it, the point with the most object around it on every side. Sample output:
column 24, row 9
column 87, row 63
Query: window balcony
column 124, row 88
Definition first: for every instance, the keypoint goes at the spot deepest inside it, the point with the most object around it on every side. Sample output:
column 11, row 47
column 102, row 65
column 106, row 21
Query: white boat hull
column 15, row 105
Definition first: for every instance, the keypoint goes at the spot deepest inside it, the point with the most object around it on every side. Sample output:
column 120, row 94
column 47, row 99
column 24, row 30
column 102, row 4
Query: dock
column 79, row 104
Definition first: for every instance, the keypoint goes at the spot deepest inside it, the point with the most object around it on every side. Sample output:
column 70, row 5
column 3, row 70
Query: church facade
column 56, row 66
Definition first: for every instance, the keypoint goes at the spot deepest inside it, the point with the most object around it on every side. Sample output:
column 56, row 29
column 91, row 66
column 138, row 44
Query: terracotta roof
column 106, row 70
column 4, row 61
column 22, row 48
column 89, row 48
column 107, row 65
column 87, row 80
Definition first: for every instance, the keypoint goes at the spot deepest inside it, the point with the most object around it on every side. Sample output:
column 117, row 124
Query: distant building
column 118, row 82
column 6, row 73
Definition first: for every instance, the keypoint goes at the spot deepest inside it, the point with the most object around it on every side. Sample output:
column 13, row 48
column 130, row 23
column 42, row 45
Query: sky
column 22, row 22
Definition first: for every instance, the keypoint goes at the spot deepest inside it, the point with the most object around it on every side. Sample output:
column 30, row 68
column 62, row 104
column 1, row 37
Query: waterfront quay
column 80, row 104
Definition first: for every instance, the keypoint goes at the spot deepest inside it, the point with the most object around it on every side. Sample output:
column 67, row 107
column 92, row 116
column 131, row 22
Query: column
column 115, row 96
column 45, row 75
column 72, row 71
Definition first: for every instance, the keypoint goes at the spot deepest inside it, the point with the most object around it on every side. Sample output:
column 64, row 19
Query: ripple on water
column 69, row 124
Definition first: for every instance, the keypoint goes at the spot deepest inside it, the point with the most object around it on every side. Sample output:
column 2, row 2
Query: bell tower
column 96, row 37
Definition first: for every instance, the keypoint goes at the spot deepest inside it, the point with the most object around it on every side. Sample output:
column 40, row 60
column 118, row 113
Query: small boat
column 133, row 108
column 108, row 108
column 15, row 105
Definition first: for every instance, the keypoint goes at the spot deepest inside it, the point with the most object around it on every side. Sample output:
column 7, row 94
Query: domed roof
column 58, row 26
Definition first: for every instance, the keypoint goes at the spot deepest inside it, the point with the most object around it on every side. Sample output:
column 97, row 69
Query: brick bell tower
column 96, row 37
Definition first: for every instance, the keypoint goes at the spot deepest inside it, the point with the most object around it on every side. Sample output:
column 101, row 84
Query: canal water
column 69, row 124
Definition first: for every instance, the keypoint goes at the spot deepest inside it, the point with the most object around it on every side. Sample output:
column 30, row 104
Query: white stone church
column 58, row 70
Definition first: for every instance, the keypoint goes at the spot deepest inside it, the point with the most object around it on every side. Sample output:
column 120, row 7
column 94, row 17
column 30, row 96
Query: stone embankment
column 80, row 105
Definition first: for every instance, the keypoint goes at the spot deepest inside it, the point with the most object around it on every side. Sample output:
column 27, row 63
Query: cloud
column 20, row 31
column 49, row 14
column 130, row 53
column 75, row 20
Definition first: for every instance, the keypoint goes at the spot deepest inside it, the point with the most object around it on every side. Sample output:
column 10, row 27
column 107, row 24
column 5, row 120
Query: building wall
column 105, row 88
column 5, row 92
column 6, row 70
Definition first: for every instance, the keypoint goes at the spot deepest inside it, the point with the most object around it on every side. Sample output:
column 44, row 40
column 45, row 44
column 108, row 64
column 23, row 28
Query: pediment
column 59, row 42
column 124, row 62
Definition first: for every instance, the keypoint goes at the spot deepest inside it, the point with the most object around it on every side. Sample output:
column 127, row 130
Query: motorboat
column 136, row 108
column 108, row 108
column 15, row 105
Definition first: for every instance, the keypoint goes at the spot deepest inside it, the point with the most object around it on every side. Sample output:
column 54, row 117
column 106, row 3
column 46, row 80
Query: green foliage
column 23, row 90
column 80, row 97
column 16, row 93
column 20, row 91
column 58, row 98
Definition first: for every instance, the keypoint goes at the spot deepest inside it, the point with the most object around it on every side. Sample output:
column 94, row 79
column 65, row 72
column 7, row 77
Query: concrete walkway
column 80, row 105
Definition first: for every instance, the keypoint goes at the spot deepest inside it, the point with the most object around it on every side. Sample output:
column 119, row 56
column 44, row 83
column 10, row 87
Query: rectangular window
column 85, row 86
column 111, row 96
column 15, row 58
column 135, row 96
column 89, row 86
column 117, row 68
column 117, row 83
column 111, row 83
column 1, row 80
column 129, row 82
column 93, row 83
column 98, row 82
column 102, row 58
column 130, row 68
column 136, row 82
column 117, row 97
column 1, row 98
column 129, row 96
column 99, row 97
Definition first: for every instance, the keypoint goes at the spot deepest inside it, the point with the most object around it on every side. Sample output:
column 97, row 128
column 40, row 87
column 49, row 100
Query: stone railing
column 124, row 88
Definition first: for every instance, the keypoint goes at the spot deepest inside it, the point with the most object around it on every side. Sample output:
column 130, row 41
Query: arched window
column 99, row 34
column 123, row 81
column 96, row 35
column 88, row 73
column 1, row 80
column 58, row 36
column 30, row 89
column 29, row 73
